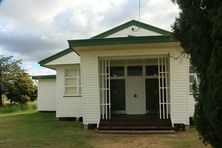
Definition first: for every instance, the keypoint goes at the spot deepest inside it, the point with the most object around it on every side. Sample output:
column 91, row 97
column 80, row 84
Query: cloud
column 36, row 29
column 33, row 69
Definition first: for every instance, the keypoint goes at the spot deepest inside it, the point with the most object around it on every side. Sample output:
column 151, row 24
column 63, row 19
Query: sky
column 33, row 30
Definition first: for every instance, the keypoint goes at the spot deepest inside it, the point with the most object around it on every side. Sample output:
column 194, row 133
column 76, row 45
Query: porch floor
column 135, row 122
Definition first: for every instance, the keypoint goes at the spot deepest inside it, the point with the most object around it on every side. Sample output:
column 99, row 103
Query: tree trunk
column 1, row 102
column 1, row 93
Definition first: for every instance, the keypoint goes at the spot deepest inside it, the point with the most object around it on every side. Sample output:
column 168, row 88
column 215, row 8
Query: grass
column 14, row 107
column 37, row 129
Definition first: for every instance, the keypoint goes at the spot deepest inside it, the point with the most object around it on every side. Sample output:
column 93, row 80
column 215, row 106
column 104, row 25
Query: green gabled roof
column 121, row 41
column 55, row 56
column 44, row 77
column 130, row 23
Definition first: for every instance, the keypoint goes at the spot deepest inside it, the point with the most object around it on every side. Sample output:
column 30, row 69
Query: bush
column 13, row 107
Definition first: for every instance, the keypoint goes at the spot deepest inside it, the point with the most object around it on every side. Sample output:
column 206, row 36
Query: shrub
column 14, row 107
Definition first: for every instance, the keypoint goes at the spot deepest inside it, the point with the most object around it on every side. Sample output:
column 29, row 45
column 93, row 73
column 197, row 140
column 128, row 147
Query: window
column 152, row 70
column 72, row 82
column 192, row 79
column 135, row 70
column 116, row 71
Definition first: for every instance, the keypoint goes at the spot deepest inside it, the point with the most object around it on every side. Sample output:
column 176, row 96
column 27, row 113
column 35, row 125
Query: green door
column 117, row 95
column 152, row 95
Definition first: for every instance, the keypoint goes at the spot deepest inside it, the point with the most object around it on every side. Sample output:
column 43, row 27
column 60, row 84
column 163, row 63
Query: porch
column 134, row 93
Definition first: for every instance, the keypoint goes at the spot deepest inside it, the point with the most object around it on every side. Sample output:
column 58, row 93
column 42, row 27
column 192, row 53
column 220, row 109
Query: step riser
column 135, row 126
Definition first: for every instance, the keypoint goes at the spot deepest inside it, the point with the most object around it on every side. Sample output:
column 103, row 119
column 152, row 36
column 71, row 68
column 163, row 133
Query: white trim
column 135, row 57
column 164, row 102
column 105, row 103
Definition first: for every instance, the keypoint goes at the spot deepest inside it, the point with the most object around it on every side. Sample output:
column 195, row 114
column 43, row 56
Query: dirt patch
column 135, row 141
column 187, row 139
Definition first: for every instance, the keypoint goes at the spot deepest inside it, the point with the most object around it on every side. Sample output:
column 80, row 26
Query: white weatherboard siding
column 191, row 105
column 179, row 88
column 70, row 58
column 90, row 77
column 129, row 32
column 46, row 95
column 90, row 88
column 66, row 106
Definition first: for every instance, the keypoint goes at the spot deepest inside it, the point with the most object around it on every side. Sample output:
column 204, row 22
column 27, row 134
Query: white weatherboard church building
column 132, row 69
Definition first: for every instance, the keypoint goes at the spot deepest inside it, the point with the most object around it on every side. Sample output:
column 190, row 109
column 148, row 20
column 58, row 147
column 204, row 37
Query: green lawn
column 34, row 129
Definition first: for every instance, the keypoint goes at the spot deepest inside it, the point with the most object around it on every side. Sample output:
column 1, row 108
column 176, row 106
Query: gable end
column 131, row 23
column 55, row 56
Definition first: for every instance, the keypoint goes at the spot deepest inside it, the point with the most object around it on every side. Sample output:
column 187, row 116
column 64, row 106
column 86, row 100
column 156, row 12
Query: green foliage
column 199, row 29
column 15, row 83
column 13, row 107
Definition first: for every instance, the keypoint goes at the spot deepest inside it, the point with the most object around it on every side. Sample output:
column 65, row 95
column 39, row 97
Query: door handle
column 135, row 94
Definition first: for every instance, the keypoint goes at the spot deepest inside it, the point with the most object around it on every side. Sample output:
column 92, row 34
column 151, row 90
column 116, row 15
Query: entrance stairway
column 136, row 123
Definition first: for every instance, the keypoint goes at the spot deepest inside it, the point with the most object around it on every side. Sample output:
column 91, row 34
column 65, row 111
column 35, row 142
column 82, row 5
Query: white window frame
column 78, row 82
column 191, row 83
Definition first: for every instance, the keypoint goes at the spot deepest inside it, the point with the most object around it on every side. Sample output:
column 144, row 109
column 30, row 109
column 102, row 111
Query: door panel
column 117, row 95
column 152, row 95
column 135, row 95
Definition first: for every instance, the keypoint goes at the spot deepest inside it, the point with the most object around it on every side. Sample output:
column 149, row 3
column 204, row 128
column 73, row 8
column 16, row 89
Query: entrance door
column 117, row 95
column 152, row 95
column 135, row 95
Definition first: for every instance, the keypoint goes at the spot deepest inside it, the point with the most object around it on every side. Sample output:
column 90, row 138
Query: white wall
column 90, row 78
column 192, row 103
column 46, row 100
column 66, row 106
column 179, row 87
column 70, row 58
column 137, row 32
column 90, row 88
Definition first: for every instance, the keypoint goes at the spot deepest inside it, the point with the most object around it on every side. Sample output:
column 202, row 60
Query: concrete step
column 135, row 131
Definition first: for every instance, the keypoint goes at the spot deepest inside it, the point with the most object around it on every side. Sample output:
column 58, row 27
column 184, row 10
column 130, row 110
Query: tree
column 15, row 83
column 199, row 30
column 22, row 89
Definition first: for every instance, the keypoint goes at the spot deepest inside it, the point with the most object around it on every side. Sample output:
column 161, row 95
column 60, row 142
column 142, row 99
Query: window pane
column 191, row 89
column 191, row 69
column 116, row 71
column 71, row 90
column 71, row 81
column 192, row 78
column 151, row 70
column 135, row 70
column 70, row 73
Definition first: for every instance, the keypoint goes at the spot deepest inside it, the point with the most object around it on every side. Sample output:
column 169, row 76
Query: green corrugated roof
column 101, row 40
column 44, row 77
column 55, row 56
column 121, row 41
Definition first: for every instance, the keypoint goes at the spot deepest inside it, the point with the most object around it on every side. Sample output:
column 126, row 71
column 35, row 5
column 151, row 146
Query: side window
column 192, row 78
column 72, row 82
